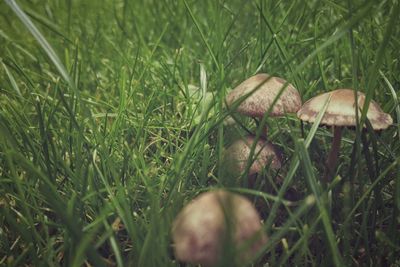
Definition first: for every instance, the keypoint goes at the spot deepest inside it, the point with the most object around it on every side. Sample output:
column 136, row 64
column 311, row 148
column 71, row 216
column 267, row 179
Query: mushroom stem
column 264, row 131
column 333, row 154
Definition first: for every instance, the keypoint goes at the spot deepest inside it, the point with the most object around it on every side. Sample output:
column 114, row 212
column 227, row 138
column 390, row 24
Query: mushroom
column 237, row 156
column 201, row 228
column 260, row 92
column 340, row 112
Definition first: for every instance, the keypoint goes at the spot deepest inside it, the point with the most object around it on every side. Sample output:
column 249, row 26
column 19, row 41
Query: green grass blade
column 12, row 79
column 42, row 41
column 321, row 203
column 202, row 35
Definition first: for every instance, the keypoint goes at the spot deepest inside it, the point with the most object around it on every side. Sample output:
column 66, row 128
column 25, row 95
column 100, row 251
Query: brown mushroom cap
column 341, row 110
column 236, row 156
column 199, row 230
column 259, row 100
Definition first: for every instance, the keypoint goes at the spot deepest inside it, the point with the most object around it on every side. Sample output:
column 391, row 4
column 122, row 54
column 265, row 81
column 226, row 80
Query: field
column 113, row 117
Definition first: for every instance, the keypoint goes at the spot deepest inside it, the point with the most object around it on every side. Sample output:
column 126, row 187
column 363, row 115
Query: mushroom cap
column 341, row 110
column 265, row 154
column 259, row 100
column 199, row 230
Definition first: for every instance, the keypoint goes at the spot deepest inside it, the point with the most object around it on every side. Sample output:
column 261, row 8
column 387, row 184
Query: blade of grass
column 370, row 188
column 42, row 41
column 305, row 206
column 373, row 74
column 12, row 80
column 320, row 200
column 202, row 35
column 397, row 109
column 295, row 164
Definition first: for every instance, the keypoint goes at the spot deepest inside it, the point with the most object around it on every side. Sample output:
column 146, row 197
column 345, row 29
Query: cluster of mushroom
column 215, row 220
column 200, row 229
column 260, row 95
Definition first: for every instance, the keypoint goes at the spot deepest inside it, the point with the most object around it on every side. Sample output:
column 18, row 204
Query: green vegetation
column 111, row 119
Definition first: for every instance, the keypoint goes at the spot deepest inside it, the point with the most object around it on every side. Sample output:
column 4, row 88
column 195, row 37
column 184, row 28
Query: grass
column 111, row 119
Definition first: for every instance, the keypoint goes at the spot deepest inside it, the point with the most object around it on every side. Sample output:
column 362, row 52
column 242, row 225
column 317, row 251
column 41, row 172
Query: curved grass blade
column 12, row 80
column 295, row 164
column 42, row 41
column 202, row 35
column 373, row 74
column 317, row 192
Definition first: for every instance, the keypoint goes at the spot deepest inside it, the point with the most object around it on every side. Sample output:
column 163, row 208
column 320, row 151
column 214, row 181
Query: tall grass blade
column 320, row 197
column 42, row 41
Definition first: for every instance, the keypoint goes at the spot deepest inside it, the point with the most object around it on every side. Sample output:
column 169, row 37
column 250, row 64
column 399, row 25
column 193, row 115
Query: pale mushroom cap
column 341, row 110
column 198, row 230
column 257, row 103
column 265, row 154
